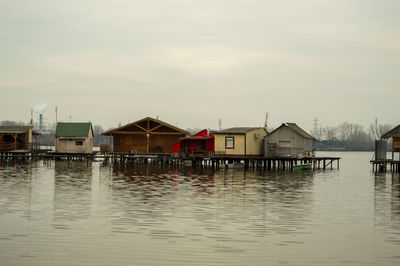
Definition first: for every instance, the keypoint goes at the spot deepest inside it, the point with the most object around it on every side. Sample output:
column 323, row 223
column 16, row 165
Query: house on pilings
column 201, row 143
column 394, row 134
column 74, row 137
column 289, row 140
column 240, row 141
column 145, row 136
column 18, row 138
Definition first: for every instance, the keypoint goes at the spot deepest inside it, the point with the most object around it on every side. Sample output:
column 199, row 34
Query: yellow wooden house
column 240, row 141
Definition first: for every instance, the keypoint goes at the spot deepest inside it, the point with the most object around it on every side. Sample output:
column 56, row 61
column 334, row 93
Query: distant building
column 147, row 135
column 394, row 134
column 289, row 140
column 202, row 143
column 18, row 138
column 74, row 137
column 240, row 141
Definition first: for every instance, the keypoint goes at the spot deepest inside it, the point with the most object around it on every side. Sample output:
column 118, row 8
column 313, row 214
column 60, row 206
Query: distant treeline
column 349, row 137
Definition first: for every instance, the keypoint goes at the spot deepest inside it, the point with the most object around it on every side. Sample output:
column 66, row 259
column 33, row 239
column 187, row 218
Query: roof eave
column 109, row 133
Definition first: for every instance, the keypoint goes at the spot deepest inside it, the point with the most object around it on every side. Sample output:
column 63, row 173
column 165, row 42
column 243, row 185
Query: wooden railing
column 220, row 152
column 34, row 146
column 9, row 146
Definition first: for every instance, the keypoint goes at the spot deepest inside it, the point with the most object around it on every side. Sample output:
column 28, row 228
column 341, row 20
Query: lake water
column 104, row 214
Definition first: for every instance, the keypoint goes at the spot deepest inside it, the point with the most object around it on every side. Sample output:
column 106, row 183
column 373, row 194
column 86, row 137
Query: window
column 285, row 144
column 229, row 142
column 202, row 145
column 79, row 143
column 256, row 135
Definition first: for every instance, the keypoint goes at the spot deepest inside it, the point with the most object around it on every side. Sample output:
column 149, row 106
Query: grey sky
column 193, row 62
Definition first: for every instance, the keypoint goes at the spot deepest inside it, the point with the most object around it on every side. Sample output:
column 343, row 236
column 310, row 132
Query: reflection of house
column 201, row 143
column 289, row 140
column 240, row 141
column 17, row 138
column 74, row 137
column 395, row 135
column 147, row 135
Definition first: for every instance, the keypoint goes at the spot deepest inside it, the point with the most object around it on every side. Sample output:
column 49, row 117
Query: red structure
column 201, row 143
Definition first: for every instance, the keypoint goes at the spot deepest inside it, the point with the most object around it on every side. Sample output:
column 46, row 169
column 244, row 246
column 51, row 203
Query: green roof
column 73, row 129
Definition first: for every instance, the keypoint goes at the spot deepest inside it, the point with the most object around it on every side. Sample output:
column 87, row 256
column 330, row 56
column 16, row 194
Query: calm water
column 129, row 215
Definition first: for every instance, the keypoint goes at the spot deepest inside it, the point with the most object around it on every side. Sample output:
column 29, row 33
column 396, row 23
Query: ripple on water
column 103, row 213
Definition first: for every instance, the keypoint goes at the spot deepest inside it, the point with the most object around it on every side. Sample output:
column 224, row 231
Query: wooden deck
column 385, row 165
column 212, row 161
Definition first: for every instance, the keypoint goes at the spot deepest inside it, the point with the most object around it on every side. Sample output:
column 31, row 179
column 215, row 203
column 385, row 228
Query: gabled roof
column 295, row 128
column 146, row 119
column 73, row 129
column 237, row 130
column 395, row 132
column 14, row 129
column 203, row 133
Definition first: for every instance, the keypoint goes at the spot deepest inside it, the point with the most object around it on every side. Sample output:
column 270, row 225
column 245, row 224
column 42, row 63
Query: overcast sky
column 192, row 62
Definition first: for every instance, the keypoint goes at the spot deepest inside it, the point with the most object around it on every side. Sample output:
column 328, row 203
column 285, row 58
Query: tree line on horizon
column 350, row 137
column 345, row 137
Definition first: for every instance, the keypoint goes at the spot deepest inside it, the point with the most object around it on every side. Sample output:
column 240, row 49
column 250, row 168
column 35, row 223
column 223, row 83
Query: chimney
column 40, row 122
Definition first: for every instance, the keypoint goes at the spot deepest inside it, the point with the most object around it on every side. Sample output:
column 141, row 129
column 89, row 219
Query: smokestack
column 40, row 122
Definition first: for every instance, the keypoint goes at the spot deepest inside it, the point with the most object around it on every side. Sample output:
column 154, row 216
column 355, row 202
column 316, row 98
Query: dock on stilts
column 275, row 163
column 212, row 161
column 385, row 166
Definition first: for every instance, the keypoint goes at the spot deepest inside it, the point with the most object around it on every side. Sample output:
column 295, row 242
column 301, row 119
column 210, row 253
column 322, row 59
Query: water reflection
column 72, row 191
column 387, row 204
column 396, row 195
column 263, row 203
column 103, row 213
column 15, row 179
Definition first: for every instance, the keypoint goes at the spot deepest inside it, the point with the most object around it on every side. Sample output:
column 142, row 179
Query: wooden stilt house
column 395, row 135
column 147, row 135
column 73, row 137
column 289, row 140
column 240, row 141
column 18, row 138
column 201, row 143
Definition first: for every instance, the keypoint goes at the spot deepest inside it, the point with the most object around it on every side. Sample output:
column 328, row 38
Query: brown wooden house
column 17, row 138
column 147, row 135
column 395, row 135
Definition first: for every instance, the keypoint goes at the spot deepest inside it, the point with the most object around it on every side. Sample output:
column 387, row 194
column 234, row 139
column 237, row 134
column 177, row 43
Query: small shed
column 394, row 134
column 201, row 143
column 289, row 140
column 147, row 135
column 240, row 141
column 74, row 137
column 18, row 138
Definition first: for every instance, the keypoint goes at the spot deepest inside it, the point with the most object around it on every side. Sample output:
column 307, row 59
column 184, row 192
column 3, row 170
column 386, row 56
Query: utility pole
column 266, row 121
column 56, row 115
column 315, row 130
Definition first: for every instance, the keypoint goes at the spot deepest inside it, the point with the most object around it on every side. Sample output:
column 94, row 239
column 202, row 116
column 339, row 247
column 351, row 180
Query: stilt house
column 18, row 138
column 240, row 141
column 289, row 140
column 147, row 135
column 394, row 134
column 74, row 137
column 202, row 143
